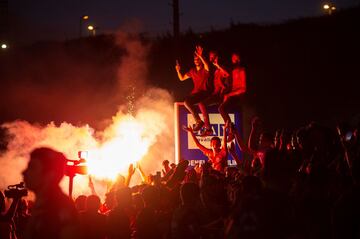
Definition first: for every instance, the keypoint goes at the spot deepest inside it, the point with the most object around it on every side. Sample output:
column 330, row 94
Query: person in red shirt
column 218, row 153
column 219, row 78
column 216, row 84
column 237, row 90
column 199, row 74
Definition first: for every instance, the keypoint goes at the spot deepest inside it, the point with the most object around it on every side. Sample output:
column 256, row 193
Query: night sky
column 91, row 66
column 58, row 20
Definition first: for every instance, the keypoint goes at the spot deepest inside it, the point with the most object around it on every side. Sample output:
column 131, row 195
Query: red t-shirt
column 238, row 79
column 218, row 81
column 200, row 78
column 218, row 160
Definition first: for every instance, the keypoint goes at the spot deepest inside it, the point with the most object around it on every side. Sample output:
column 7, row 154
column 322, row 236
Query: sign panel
column 185, row 147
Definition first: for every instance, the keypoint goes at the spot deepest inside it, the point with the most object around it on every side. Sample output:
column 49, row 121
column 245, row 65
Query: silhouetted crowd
column 303, row 184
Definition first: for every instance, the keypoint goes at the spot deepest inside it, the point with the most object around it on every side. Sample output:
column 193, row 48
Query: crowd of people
column 300, row 185
column 303, row 184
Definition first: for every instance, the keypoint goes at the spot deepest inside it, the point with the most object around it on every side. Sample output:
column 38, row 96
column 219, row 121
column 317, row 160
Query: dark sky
column 59, row 19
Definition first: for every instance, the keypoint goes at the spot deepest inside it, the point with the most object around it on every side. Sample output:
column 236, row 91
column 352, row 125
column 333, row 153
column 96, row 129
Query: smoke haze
column 106, row 93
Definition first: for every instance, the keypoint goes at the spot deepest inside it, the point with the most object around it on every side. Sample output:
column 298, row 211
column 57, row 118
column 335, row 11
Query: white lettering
column 216, row 122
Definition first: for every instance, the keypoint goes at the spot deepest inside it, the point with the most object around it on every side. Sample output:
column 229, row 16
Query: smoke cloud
column 151, row 108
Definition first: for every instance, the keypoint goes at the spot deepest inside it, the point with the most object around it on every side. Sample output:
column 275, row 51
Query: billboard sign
column 185, row 147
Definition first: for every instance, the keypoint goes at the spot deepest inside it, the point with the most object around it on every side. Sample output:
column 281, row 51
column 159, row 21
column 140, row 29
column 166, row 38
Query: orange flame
column 127, row 144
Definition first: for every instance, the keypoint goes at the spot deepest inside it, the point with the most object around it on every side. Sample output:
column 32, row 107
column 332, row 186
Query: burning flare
column 142, row 137
column 128, row 144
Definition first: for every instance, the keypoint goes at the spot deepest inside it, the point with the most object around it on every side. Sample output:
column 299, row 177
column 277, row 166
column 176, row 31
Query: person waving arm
column 198, row 52
column 198, row 144
column 182, row 77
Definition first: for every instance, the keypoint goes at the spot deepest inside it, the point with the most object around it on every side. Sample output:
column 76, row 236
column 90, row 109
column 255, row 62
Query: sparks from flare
column 127, row 144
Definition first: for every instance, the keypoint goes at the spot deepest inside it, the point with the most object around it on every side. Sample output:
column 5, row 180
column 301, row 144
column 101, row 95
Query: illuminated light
column 85, row 17
column 143, row 137
column 90, row 28
column 4, row 46
column 127, row 145
column 326, row 6
column 333, row 8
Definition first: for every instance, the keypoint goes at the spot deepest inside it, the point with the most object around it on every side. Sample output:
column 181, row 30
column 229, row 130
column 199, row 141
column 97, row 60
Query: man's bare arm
column 180, row 76
column 198, row 144
column 198, row 53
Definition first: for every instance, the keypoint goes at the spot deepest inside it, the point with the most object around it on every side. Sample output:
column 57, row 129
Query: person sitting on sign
column 217, row 84
column 237, row 90
column 218, row 153
column 220, row 77
column 200, row 75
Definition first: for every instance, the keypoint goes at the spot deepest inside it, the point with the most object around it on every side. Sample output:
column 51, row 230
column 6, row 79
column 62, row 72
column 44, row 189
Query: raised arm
column 91, row 186
column 226, row 127
column 251, row 141
column 222, row 70
column 131, row 171
column 181, row 77
column 198, row 144
column 198, row 52
column 241, row 143
column 233, row 153
column 346, row 153
column 142, row 174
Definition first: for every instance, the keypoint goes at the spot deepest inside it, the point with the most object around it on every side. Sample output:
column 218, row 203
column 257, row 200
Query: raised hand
column 177, row 65
column 215, row 61
column 188, row 129
column 199, row 50
column 91, row 185
column 131, row 169
column 255, row 122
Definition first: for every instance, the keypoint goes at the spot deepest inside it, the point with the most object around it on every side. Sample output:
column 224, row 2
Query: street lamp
column 329, row 8
column 92, row 29
column 4, row 46
column 82, row 19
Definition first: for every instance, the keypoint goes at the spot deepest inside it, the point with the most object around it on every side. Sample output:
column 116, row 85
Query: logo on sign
column 217, row 125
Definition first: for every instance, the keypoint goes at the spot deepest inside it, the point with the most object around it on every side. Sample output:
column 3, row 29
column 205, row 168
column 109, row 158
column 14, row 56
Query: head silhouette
column 45, row 169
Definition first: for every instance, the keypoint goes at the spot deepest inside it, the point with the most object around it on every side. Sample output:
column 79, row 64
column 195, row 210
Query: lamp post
column 82, row 19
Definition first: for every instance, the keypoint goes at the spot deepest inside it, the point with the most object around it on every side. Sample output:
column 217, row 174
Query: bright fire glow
column 127, row 145
column 145, row 137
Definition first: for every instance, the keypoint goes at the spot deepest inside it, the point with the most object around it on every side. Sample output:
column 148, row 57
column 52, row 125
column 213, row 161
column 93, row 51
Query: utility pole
column 176, row 18
column 4, row 19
